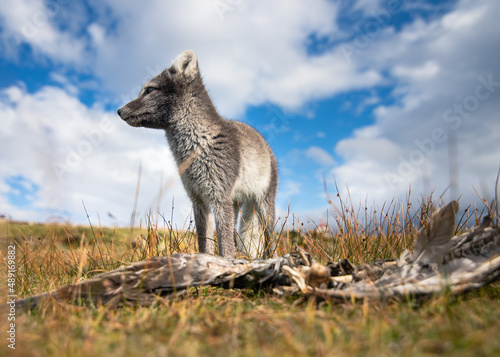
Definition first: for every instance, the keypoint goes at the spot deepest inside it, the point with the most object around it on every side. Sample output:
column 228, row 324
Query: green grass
column 216, row 322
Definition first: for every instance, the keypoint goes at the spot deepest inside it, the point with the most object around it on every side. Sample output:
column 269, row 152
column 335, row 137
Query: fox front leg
column 224, row 222
column 203, row 221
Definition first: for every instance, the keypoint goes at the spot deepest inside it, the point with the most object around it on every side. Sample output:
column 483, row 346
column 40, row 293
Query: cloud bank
column 434, row 107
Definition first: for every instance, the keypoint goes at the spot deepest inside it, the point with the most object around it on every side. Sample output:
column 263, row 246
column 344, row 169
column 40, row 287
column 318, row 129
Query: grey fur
column 225, row 166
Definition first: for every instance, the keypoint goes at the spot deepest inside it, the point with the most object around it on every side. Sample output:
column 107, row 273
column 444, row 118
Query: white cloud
column 255, row 55
column 319, row 156
column 426, row 71
column 33, row 22
column 437, row 68
column 369, row 7
column 76, row 154
column 287, row 190
column 364, row 146
column 468, row 16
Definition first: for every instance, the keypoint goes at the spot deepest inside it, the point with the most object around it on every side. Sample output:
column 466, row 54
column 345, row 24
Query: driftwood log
column 439, row 261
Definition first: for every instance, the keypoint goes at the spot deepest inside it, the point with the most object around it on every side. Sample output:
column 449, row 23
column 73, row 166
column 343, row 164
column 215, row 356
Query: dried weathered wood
column 439, row 261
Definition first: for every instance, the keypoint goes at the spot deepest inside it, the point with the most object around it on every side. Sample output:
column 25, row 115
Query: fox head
column 164, row 97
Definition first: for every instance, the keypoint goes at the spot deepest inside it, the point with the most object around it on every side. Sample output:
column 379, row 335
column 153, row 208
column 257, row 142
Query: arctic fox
column 226, row 166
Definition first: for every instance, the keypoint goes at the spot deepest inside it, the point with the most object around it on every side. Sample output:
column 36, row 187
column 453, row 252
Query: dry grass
column 210, row 321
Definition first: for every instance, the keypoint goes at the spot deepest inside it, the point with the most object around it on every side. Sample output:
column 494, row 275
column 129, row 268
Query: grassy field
column 217, row 322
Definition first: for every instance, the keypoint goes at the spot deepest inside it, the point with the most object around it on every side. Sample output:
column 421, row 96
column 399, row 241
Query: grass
column 216, row 322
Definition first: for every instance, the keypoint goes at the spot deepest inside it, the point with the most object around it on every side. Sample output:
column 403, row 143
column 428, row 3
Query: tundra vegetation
column 211, row 321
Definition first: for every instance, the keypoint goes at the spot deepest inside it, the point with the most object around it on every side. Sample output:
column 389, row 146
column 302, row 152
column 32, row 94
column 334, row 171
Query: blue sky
column 379, row 96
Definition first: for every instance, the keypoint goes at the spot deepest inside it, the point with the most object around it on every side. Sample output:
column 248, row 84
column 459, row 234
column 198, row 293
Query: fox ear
column 186, row 63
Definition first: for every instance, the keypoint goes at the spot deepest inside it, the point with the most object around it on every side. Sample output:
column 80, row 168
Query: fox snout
column 127, row 111
column 124, row 113
column 127, row 116
column 137, row 115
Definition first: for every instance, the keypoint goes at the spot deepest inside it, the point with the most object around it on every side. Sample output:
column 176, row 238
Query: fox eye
column 149, row 90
